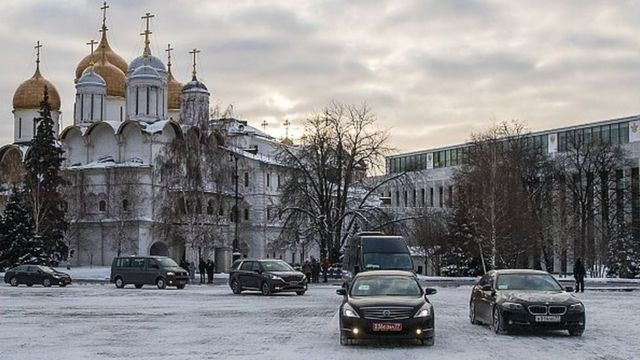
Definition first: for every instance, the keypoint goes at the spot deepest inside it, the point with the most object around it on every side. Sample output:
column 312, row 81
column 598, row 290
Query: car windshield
column 539, row 282
column 276, row 266
column 166, row 262
column 400, row 261
column 386, row 286
column 46, row 269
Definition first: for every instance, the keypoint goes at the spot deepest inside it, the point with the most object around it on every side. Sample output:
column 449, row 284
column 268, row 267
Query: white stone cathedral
column 124, row 116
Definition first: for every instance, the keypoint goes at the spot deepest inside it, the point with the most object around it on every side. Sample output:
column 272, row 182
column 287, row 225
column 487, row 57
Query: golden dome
column 30, row 93
column 287, row 141
column 175, row 88
column 103, row 47
column 112, row 75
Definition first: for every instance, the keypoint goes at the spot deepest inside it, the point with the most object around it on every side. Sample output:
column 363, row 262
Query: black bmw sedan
column 386, row 304
column 525, row 299
column 36, row 274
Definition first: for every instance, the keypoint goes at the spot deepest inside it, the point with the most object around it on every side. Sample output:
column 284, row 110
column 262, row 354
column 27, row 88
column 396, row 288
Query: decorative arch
column 132, row 142
column 104, row 146
column 74, row 146
column 11, row 164
column 159, row 248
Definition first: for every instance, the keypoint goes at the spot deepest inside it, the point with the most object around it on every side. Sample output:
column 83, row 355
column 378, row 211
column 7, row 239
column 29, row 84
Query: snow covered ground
column 98, row 321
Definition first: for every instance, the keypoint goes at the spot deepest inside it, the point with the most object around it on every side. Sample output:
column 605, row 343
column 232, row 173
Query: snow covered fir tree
column 149, row 168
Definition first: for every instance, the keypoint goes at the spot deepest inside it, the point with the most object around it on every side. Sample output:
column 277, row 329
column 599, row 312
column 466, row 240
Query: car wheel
column 139, row 286
column 14, row 281
column 266, row 289
column 46, row 282
column 180, row 286
column 160, row 283
column 235, row 287
column 576, row 332
column 472, row 314
column 300, row 293
column 497, row 324
column 119, row 282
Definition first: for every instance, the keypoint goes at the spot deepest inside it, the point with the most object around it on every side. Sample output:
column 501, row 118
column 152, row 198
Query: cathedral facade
column 125, row 116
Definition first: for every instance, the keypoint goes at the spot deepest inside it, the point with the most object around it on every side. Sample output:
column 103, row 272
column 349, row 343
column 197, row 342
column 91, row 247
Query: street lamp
column 236, row 254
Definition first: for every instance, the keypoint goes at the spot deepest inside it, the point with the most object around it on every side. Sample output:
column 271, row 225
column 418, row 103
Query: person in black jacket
column 202, row 267
column 210, row 268
column 578, row 273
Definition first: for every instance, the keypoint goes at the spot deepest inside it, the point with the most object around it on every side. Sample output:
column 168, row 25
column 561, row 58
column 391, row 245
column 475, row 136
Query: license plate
column 387, row 327
column 547, row 318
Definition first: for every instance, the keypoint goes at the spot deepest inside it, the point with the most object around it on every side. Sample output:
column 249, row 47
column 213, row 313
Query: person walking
column 315, row 270
column 210, row 268
column 579, row 273
column 202, row 268
column 325, row 267
column 306, row 269
column 192, row 270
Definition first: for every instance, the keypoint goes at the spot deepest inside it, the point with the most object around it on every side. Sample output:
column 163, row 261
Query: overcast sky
column 433, row 71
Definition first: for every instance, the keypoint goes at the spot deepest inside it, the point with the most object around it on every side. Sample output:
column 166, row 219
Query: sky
column 432, row 71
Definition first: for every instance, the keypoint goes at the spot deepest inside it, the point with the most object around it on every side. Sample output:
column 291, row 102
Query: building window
column 278, row 181
column 246, row 214
column 450, row 199
column 423, row 197
column 398, row 198
column 431, row 197
column 102, row 205
column 221, row 211
column 246, row 179
column 81, row 107
column 268, row 180
column 120, row 113
column 405, row 199
column 268, row 213
column 441, row 196
column 91, row 114
column 137, row 101
column 148, row 100
column 19, row 128
column 125, row 205
column 210, row 207
column 415, row 198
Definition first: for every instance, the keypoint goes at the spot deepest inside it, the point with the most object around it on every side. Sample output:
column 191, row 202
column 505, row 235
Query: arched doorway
column 159, row 249
column 244, row 249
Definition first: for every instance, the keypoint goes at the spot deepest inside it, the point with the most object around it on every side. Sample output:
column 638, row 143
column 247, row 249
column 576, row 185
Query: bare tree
column 125, row 198
column 430, row 233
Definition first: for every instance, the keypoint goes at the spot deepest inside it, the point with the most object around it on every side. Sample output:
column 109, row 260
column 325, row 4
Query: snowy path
column 101, row 322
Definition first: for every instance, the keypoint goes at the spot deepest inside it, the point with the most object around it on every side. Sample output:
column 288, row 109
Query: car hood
column 555, row 297
column 365, row 301
column 287, row 273
column 175, row 269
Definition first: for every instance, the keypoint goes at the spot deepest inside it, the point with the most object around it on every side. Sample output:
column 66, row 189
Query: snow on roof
column 106, row 164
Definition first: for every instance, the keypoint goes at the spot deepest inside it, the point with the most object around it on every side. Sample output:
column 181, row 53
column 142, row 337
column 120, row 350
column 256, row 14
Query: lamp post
column 236, row 254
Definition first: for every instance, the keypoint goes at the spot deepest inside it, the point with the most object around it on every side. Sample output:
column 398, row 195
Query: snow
column 96, row 321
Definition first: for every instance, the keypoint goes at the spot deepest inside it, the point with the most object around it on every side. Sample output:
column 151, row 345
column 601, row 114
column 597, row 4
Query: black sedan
column 525, row 299
column 36, row 274
column 386, row 304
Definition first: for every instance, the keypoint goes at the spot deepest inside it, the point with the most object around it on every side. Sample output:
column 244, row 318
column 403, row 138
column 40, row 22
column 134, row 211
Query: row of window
column 609, row 134
column 420, row 197
column 268, row 180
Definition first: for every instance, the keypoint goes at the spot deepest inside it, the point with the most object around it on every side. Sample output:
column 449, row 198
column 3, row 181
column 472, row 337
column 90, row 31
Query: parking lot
column 97, row 321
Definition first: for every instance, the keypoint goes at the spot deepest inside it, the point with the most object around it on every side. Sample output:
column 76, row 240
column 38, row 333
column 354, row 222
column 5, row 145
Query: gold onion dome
column 287, row 141
column 112, row 75
column 30, row 93
column 103, row 48
column 175, row 88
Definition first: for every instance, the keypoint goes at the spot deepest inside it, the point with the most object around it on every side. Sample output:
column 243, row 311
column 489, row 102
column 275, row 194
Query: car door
column 152, row 270
column 256, row 274
column 244, row 274
column 137, row 274
column 21, row 274
column 483, row 299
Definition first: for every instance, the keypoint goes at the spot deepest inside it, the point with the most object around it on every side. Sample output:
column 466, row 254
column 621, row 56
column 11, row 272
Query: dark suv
column 268, row 276
column 148, row 270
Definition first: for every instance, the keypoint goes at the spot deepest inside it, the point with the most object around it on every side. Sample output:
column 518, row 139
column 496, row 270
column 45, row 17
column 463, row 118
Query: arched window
column 221, row 211
column 210, row 207
column 125, row 205
column 198, row 206
column 102, row 205
column 246, row 214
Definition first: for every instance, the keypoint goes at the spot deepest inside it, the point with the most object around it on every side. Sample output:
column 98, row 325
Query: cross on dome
column 194, row 52
column 91, row 44
column 37, row 47
column 104, row 16
column 169, row 50
column 147, row 17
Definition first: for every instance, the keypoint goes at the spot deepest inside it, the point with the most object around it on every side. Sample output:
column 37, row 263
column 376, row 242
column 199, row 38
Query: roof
column 385, row 273
column 519, row 271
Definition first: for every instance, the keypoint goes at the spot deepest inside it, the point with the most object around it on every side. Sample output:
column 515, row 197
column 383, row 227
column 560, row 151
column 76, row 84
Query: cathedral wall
column 24, row 125
column 115, row 109
column 102, row 143
column 75, row 148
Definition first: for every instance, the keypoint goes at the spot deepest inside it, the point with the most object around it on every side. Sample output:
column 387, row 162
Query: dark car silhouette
column 525, row 299
column 267, row 276
column 36, row 274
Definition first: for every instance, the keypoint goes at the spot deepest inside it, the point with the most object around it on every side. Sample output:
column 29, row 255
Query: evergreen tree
column 43, row 189
column 16, row 234
column 624, row 256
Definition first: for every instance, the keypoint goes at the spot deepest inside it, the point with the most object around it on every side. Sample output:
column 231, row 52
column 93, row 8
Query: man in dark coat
column 325, row 267
column 202, row 267
column 315, row 270
column 578, row 273
column 210, row 268
column 306, row 270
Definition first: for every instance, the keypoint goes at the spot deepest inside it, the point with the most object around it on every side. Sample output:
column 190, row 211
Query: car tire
column 497, row 325
column 235, row 287
column 576, row 332
column 472, row 314
column 300, row 293
column 119, row 282
column 46, row 282
column 160, row 283
column 139, row 286
column 180, row 287
column 14, row 281
column 265, row 289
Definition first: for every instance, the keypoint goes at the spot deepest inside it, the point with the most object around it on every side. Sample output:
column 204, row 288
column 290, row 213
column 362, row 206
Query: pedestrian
column 579, row 273
column 306, row 269
column 325, row 267
column 202, row 267
column 315, row 270
column 192, row 270
column 210, row 267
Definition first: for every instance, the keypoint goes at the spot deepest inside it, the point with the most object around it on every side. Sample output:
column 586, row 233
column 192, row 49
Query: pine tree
column 43, row 189
column 624, row 256
column 16, row 235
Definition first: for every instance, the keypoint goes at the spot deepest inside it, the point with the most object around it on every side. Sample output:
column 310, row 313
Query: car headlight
column 348, row 311
column 576, row 308
column 425, row 311
column 512, row 306
column 170, row 273
column 275, row 277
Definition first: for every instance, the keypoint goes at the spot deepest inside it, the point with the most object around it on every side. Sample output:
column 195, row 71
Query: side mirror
column 569, row 288
column 342, row 292
column 486, row 288
column 430, row 291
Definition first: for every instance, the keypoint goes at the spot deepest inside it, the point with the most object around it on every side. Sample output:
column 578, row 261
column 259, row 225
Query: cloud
column 433, row 71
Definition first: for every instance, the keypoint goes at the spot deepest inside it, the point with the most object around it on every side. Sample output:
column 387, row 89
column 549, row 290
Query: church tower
column 174, row 88
column 194, row 100
column 147, row 84
column 26, row 104
column 91, row 93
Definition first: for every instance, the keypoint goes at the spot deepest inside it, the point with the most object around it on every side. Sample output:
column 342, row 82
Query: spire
column 146, row 33
column 169, row 50
column 91, row 44
column 286, row 124
column 37, row 47
column 103, row 30
column 194, row 52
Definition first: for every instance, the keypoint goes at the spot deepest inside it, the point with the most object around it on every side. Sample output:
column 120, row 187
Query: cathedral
column 125, row 116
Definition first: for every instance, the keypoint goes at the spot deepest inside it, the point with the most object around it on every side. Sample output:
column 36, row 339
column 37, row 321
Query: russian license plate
column 547, row 318
column 387, row 327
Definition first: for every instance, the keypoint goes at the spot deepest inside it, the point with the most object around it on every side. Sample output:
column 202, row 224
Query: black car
column 525, row 299
column 386, row 304
column 267, row 276
column 36, row 274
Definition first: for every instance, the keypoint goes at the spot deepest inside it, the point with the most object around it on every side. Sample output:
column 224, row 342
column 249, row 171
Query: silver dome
column 153, row 61
column 90, row 77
